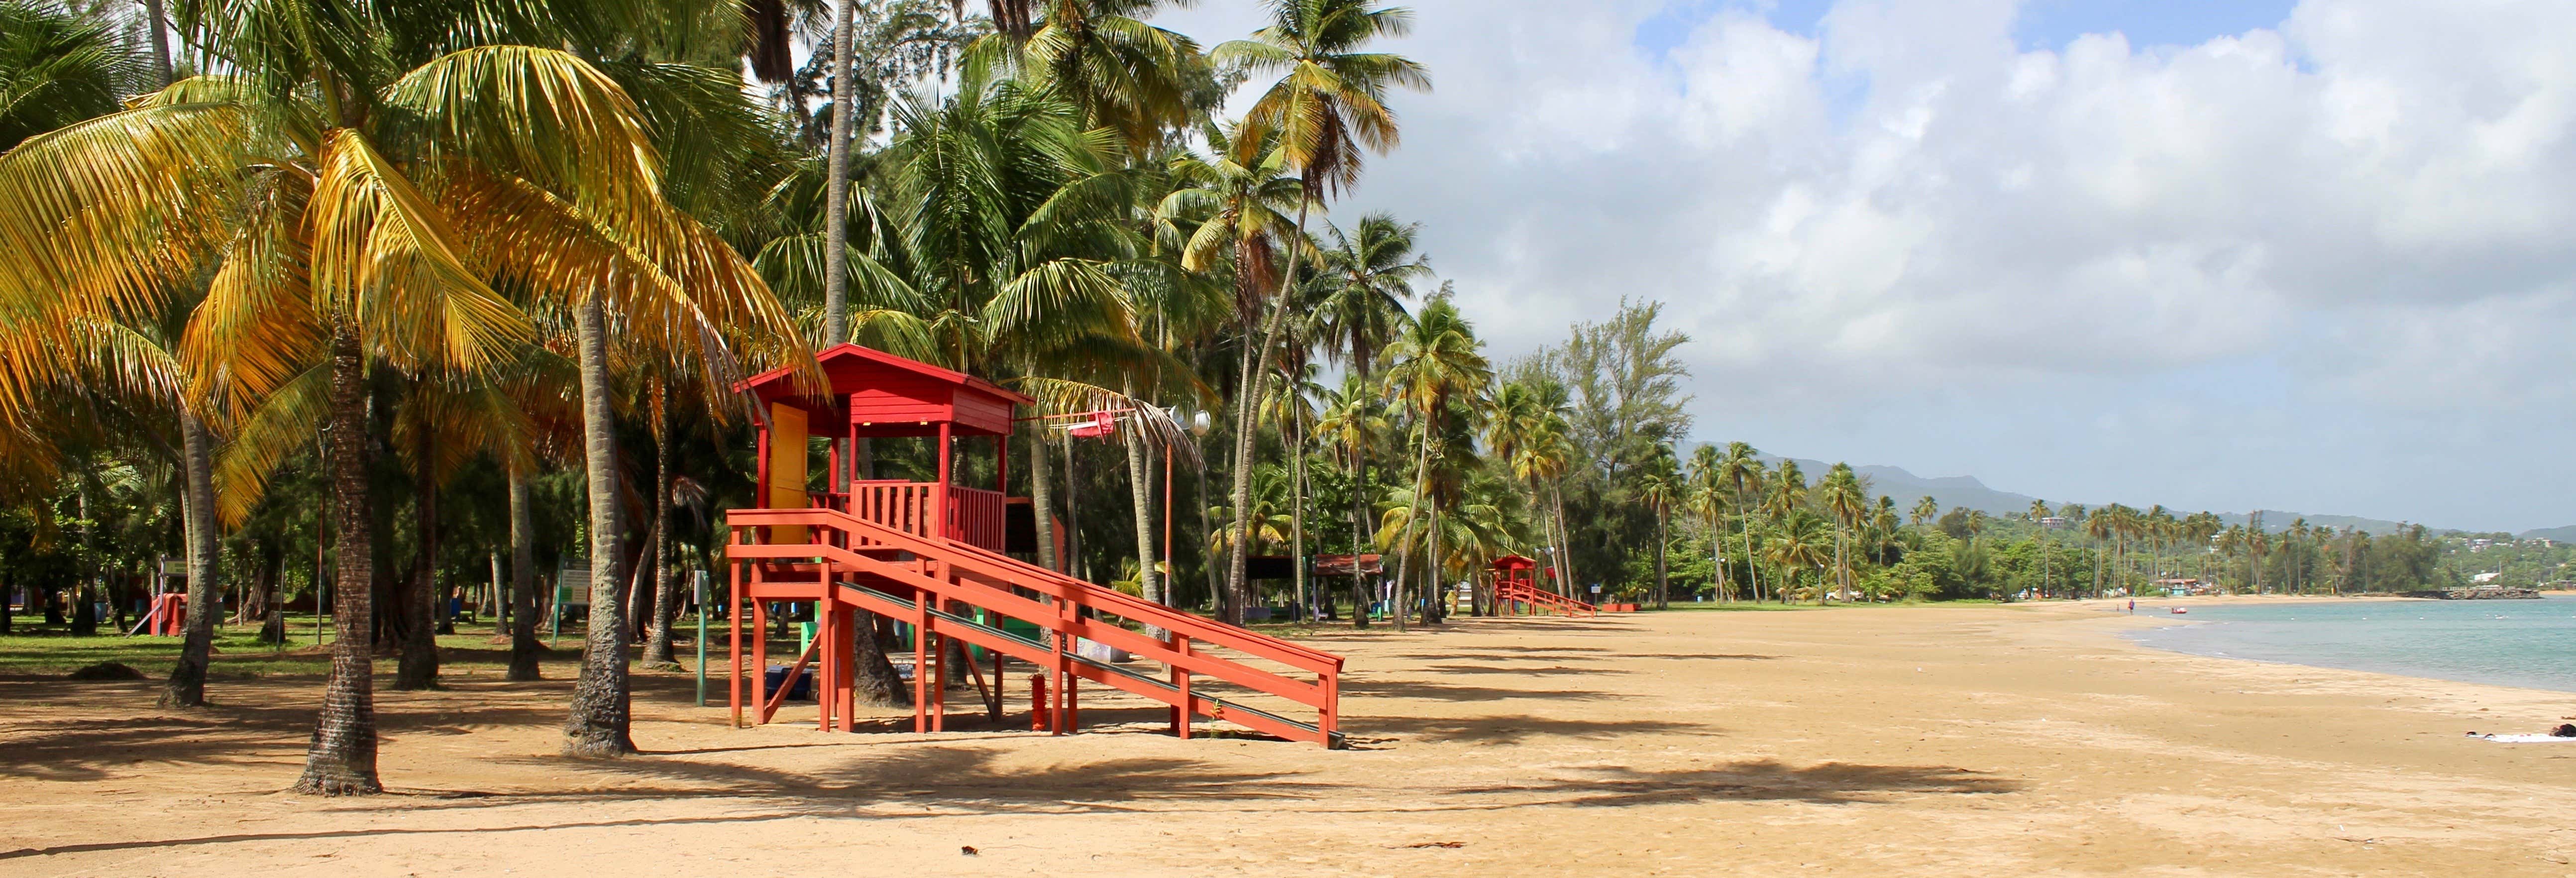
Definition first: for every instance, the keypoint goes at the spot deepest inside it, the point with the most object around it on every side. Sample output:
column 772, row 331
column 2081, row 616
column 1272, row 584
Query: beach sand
column 1941, row 740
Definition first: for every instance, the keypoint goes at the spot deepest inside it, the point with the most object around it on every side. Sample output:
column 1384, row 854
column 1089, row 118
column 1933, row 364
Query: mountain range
column 1969, row 492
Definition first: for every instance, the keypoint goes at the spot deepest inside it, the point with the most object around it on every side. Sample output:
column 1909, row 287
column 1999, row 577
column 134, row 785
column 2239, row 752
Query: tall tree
column 1326, row 108
column 1847, row 502
column 1438, row 361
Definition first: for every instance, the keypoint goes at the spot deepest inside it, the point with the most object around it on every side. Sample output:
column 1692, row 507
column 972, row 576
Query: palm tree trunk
column 341, row 760
column 601, row 706
column 1663, row 576
column 1359, row 536
column 1564, row 543
column 187, row 684
column 1249, row 420
column 1412, row 514
column 1042, row 499
column 836, row 193
column 1297, row 518
column 1074, row 562
column 1140, row 491
column 657, row 634
column 1229, row 608
column 524, row 649
column 418, row 667
column 1435, row 591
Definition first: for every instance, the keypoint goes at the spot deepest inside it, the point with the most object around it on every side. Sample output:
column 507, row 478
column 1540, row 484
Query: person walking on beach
column 2133, row 606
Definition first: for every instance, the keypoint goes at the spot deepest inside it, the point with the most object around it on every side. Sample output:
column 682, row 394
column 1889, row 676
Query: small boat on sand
column 2180, row 610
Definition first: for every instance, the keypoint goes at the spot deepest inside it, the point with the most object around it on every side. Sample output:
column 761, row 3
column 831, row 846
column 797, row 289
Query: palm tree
column 365, row 226
column 1660, row 484
column 1847, row 503
column 1800, row 544
column 1327, row 106
column 1123, row 75
column 1708, row 497
column 57, row 69
column 2101, row 526
column 1354, row 418
column 2039, row 511
column 1742, row 470
column 1925, row 510
column 1437, row 361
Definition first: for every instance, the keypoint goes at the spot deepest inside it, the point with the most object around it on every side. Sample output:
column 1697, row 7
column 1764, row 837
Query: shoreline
column 2473, row 695
column 2163, row 620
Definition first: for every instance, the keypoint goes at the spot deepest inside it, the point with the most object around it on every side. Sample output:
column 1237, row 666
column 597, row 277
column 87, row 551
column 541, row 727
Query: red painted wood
column 952, row 572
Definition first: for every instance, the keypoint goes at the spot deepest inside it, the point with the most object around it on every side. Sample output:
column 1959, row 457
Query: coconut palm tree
column 1661, row 485
column 1742, row 470
column 1438, row 361
column 1355, row 418
column 1801, row 543
column 1707, row 495
column 1323, row 112
column 1925, row 510
column 1847, row 503
column 365, row 226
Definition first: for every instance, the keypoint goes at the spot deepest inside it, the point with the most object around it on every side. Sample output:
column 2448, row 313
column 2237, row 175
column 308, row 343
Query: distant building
column 2484, row 578
column 2055, row 522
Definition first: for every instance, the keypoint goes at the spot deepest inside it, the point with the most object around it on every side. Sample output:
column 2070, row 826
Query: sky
column 2311, row 256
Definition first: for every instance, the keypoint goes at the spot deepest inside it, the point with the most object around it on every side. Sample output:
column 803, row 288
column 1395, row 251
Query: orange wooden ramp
column 952, row 590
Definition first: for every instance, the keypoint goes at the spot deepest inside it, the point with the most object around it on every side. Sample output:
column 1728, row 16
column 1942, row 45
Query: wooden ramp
column 953, row 591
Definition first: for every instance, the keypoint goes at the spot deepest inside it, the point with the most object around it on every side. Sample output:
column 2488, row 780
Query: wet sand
column 1943, row 740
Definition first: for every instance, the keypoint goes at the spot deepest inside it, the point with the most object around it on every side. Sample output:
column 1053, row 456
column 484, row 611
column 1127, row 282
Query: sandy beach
column 1939, row 740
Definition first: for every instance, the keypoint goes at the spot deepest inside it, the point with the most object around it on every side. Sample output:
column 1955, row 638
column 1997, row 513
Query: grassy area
column 52, row 650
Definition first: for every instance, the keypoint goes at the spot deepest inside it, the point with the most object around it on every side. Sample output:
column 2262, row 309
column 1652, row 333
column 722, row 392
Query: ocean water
column 2506, row 643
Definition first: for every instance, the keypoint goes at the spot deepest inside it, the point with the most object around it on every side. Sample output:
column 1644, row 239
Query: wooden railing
column 974, row 514
column 951, row 571
column 975, row 517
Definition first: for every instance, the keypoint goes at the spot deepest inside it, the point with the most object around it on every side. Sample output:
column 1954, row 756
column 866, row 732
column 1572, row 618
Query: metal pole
column 557, row 612
column 702, row 637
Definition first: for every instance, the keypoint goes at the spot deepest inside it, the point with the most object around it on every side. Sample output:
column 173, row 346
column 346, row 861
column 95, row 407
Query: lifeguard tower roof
column 1515, row 562
column 883, row 395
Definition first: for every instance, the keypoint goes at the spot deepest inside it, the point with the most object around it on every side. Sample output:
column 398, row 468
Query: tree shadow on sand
column 1829, row 783
column 1368, row 732
column 1426, row 690
column 954, row 776
column 124, row 732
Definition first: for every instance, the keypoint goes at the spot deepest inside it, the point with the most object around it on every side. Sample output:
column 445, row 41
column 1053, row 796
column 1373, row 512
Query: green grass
column 38, row 649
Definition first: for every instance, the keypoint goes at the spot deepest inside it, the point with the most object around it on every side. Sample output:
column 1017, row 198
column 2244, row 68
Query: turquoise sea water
column 2506, row 643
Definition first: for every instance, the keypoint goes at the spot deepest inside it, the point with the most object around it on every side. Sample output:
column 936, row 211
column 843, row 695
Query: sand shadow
column 1370, row 732
column 1426, row 690
column 1759, row 780
column 250, row 727
column 1554, row 671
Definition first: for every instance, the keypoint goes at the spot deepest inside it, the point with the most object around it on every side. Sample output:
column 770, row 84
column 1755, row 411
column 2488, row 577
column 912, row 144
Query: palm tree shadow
column 1509, row 729
column 1758, row 780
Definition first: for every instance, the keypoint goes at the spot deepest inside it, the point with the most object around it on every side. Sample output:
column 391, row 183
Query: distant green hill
column 2562, row 534
column 1967, row 491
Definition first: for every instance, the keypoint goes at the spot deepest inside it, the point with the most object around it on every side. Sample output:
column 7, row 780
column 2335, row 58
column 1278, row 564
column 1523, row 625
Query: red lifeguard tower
column 1516, row 591
column 934, row 555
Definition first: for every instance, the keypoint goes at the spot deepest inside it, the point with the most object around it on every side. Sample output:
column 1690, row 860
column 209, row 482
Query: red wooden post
column 733, row 615
column 939, row 501
column 760, row 650
column 1037, row 703
column 826, row 695
column 1181, row 716
column 1002, row 460
column 920, row 662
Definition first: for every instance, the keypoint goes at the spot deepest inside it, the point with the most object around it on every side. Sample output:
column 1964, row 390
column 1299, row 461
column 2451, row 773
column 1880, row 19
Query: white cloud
column 2370, row 203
